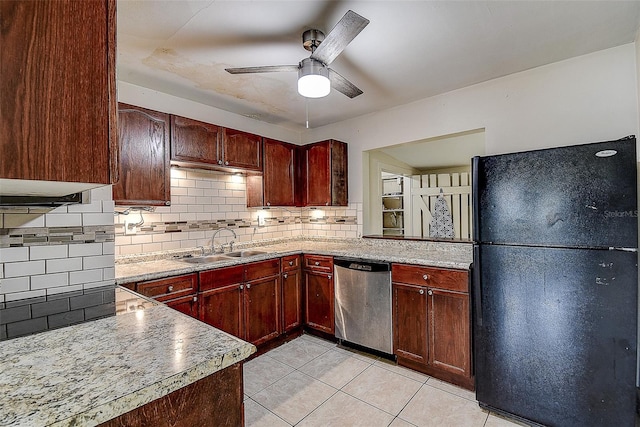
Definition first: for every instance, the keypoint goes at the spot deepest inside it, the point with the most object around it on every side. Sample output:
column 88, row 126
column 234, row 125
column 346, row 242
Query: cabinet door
column 242, row 150
column 291, row 300
column 262, row 309
column 410, row 322
column 187, row 305
column 58, row 91
column 319, row 301
column 195, row 141
column 222, row 308
column 144, row 157
column 318, row 173
column 449, row 328
column 279, row 168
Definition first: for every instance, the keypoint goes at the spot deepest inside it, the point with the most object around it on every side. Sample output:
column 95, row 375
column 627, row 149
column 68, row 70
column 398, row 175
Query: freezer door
column 577, row 196
column 556, row 343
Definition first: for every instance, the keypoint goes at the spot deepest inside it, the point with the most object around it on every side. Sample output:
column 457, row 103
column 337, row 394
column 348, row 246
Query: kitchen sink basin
column 205, row 259
column 243, row 254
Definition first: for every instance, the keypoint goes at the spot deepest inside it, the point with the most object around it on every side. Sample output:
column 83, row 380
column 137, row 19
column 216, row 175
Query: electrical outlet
column 260, row 220
column 130, row 228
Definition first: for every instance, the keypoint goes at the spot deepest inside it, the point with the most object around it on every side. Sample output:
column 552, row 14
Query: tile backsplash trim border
column 43, row 236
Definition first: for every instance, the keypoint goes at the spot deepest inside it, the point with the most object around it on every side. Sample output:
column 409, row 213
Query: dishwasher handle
column 362, row 265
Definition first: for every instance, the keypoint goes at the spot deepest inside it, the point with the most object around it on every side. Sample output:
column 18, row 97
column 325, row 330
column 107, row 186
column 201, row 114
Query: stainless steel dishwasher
column 363, row 303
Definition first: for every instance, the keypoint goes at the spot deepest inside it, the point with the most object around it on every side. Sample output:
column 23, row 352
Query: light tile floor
column 312, row 382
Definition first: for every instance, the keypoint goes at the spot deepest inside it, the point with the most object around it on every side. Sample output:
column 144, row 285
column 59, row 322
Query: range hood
column 41, row 194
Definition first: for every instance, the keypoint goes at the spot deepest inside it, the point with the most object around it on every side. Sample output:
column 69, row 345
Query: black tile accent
column 66, row 319
column 84, row 301
column 26, row 301
column 15, row 314
column 26, row 327
column 3, row 332
column 103, row 310
column 50, row 307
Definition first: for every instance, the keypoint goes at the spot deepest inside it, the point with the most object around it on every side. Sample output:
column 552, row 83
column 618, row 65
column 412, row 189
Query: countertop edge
column 194, row 268
column 124, row 404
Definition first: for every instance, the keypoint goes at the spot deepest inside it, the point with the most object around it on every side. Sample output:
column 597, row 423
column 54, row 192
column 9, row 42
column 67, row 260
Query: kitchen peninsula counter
column 90, row 373
column 139, row 268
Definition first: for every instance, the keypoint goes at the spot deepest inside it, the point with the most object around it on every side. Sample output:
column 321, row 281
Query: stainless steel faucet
column 213, row 246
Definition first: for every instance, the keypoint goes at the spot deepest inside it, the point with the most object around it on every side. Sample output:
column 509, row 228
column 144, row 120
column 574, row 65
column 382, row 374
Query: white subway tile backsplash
column 86, row 276
column 24, row 268
column 101, row 261
column 85, row 249
column 109, row 273
column 151, row 247
column 97, row 219
column 66, row 264
column 98, row 284
column 101, row 193
column 14, row 296
column 94, row 207
column 48, row 252
column 63, row 220
column 14, row 254
column 45, row 281
column 17, row 284
column 23, row 220
column 108, row 248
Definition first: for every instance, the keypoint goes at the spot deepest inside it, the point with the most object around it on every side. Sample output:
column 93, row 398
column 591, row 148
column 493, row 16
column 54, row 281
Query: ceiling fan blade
column 343, row 85
column 263, row 69
column 339, row 37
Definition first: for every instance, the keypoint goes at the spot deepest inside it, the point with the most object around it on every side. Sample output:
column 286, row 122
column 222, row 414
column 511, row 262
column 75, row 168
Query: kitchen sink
column 204, row 259
column 243, row 254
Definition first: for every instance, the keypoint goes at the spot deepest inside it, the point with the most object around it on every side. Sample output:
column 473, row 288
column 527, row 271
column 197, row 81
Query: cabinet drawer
column 441, row 278
column 318, row 262
column 258, row 270
column 220, row 277
column 170, row 288
column 291, row 262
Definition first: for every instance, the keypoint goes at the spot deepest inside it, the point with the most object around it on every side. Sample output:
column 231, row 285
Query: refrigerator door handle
column 475, row 197
column 477, row 285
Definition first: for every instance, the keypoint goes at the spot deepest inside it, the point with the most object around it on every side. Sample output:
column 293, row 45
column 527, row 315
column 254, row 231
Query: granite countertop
column 434, row 254
column 92, row 372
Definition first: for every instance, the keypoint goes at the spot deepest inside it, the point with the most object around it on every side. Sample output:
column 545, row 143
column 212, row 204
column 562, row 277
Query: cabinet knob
column 329, row 276
column 241, row 287
column 430, row 292
column 268, row 203
column 317, row 263
column 285, row 275
column 248, row 285
column 226, row 163
column 421, row 291
column 167, row 203
column 170, row 288
column 290, row 262
column 425, row 276
column 219, row 162
column 326, row 204
column 195, row 299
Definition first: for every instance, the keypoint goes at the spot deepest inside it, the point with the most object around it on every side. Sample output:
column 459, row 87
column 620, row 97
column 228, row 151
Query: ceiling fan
column 315, row 78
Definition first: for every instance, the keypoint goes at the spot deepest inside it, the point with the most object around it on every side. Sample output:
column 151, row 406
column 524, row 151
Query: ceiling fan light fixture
column 313, row 79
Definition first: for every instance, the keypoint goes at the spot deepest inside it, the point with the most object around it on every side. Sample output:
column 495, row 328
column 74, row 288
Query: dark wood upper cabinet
column 324, row 174
column 58, row 91
column 241, row 150
column 203, row 145
column 144, row 157
column 195, row 141
column 276, row 186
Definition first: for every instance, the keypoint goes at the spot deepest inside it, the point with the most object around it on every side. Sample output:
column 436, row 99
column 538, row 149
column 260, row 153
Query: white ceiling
column 410, row 50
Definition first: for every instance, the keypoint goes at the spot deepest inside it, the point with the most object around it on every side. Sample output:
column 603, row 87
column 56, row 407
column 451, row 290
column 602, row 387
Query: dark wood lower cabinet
column 432, row 322
column 262, row 310
column 291, row 300
column 222, row 309
column 319, row 301
column 216, row 400
column 410, row 322
column 187, row 305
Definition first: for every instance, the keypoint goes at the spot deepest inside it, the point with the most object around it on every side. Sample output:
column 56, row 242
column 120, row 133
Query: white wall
column 585, row 99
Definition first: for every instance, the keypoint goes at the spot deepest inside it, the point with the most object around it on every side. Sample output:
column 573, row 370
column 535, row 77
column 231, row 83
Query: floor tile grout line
column 271, row 412
column 317, row 407
column 451, row 393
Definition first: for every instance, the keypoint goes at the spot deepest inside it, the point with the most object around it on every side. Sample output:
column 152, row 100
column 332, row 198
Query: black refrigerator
column 555, row 284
